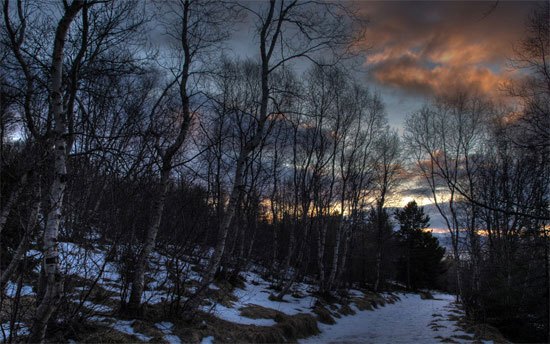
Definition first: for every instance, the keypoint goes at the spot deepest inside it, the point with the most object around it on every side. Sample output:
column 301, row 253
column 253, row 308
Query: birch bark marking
column 57, row 190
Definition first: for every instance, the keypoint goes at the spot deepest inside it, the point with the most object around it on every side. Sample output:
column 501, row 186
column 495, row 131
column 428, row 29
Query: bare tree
column 280, row 25
column 388, row 167
column 57, row 190
column 194, row 40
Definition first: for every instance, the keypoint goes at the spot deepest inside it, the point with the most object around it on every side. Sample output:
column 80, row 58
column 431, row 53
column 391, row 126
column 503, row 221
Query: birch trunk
column 8, row 205
column 22, row 247
column 238, row 186
column 378, row 266
column 138, row 281
column 336, row 255
column 321, row 256
column 249, row 147
column 300, row 262
column 344, row 255
column 54, row 284
column 290, row 251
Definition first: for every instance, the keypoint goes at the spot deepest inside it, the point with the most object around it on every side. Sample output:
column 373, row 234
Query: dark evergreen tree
column 420, row 262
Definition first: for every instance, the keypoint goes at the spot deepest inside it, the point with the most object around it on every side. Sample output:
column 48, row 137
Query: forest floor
column 241, row 313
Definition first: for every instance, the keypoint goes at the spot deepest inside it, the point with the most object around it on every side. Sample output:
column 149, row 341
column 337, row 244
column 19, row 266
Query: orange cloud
column 441, row 79
column 432, row 48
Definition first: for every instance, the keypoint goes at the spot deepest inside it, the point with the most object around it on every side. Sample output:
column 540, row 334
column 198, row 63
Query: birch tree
column 281, row 25
column 192, row 41
column 52, row 274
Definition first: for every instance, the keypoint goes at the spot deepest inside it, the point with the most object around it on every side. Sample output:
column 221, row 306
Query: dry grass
column 346, row 310
column 462, row 336
column 223, row 296
column 107, row 335
column 446, row 340
column 149, row 330
column 298, row 326
column 391, row 298
column 486, row 332
column 371, row 300
column 259, row 312
column 362, row 304
column 93, row 333
column 323, row 315
column 426, row 295
column 288, row 328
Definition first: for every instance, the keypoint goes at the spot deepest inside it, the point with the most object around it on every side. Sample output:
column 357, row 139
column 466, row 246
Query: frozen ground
column 411, row 320
column 256, row 292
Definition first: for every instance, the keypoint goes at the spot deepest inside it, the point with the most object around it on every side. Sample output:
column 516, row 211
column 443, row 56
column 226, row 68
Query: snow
column 166, row 328
column 256, row 292
column 125, row 326
column 172, row 339
column 411, row 320
column 87, row 263
column 233, row 315
column 20, row 330
column 96, row 307
column 32, row 253
column 11, row 289
column 91, row 264
column 207, row 340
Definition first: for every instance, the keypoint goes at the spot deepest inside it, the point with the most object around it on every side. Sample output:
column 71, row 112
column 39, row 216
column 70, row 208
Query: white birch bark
column 51, row 270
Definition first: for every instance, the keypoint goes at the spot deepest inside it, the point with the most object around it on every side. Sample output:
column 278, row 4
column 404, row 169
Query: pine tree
column 420, row 261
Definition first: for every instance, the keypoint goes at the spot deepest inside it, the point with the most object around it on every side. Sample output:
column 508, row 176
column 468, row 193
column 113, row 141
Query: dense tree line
column 125, row 126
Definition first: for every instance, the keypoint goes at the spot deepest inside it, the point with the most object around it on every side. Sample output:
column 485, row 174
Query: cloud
column 432, row 48
column 414, row 76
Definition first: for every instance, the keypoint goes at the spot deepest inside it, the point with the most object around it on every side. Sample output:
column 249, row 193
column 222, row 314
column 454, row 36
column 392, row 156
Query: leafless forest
column 150, row 159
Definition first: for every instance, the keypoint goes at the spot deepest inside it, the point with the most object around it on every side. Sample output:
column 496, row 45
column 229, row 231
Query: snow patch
column 256, row 292
column 207, row 340
column 166, row 328
column 125, row 326
column 96, row 307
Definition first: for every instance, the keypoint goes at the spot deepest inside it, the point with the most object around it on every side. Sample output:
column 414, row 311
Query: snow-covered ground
column 256, row 292
column 411, row 320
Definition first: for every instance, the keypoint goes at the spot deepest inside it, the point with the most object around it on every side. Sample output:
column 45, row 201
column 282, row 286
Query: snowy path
column 411, row 320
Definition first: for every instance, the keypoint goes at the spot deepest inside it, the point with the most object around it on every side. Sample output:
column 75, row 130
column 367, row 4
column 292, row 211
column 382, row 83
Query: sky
column 418, row 50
